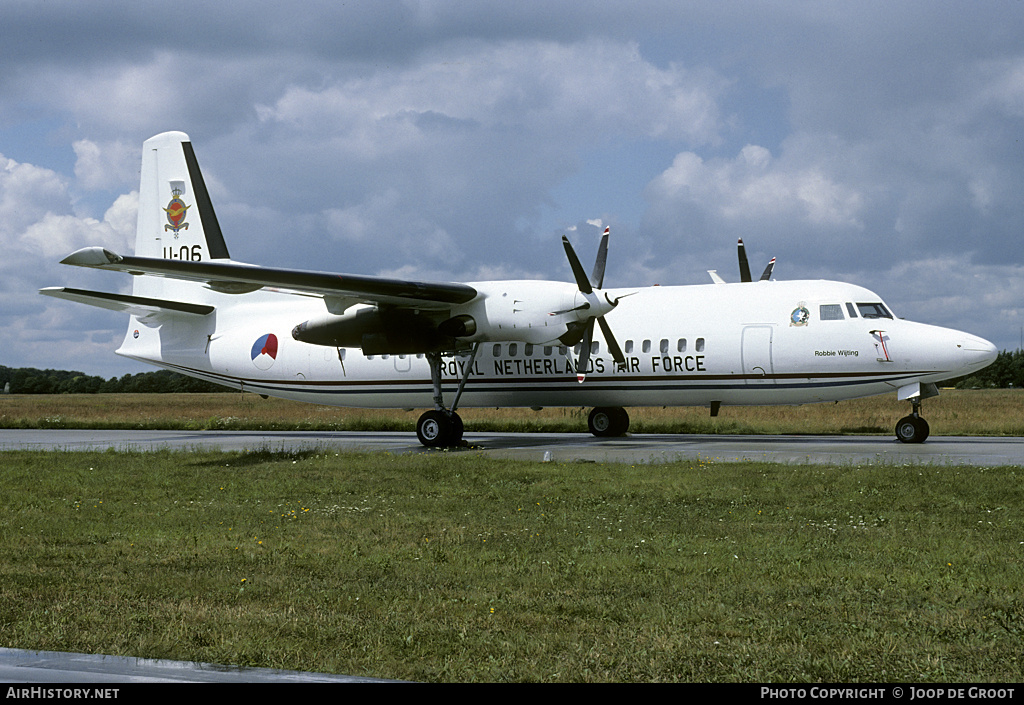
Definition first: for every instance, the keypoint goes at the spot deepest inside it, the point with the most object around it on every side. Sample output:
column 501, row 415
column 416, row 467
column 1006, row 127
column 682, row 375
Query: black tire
column 912, row 429
column 435, row 429
column 608, row 421
column 457, row 429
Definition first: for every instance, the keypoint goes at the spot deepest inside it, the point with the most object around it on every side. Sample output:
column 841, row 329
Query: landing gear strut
column 441, row 427
column 913, row 428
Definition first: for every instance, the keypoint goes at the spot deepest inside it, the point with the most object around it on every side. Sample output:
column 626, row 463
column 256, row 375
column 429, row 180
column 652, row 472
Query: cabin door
column 757, row 355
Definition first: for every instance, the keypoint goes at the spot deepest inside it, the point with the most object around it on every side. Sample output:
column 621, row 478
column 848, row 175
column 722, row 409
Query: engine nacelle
column 461, row 326
column 528, row 311
column 375, row 331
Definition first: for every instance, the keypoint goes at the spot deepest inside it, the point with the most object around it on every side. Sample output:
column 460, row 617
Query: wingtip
column 91, row 257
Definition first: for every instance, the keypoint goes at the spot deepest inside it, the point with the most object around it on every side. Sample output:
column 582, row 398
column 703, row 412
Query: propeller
column 741, row 251
column 591, row 288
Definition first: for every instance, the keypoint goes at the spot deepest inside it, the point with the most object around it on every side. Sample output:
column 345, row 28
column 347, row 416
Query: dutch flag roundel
column 264, row 351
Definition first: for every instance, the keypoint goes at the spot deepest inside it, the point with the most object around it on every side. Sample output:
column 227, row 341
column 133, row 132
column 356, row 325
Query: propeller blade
column 768, row 271
column 613, row 345
column 577, row 269
column 587, row 286
column 744, row 265
column 585, row 345
column 597, row 278
column 582, row 307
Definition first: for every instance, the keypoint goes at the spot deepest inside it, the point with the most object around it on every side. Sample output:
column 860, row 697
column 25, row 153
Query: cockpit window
column 874, row 310
column 831, row 312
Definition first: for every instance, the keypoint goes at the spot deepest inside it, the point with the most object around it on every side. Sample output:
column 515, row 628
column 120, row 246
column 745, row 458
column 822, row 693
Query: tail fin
column 176, row 217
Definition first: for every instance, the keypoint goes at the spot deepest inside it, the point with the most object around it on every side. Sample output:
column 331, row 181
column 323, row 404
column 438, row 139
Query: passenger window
column 831, row 312
column 547, row 350
column 664, row 346
column 595, row 347
column 513, row 348
column 681, row 345
column 496, row 350
column 647, row 346
column 700, row 344
column 528, row 351
column 629, row 347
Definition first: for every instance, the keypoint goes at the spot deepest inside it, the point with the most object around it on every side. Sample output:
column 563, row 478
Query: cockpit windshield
column 873, row 310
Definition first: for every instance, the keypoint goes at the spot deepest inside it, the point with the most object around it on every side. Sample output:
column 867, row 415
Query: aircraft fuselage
column 790, row 342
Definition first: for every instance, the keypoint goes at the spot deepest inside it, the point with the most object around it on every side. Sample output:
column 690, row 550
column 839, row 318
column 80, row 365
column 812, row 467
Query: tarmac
column 558, row 447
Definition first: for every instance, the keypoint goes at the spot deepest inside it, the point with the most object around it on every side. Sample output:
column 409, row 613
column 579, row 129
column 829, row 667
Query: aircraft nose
column 978, row 352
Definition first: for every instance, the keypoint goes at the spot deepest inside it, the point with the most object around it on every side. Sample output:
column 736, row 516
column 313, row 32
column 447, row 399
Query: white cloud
column 595, row 88
column 753, row 186
column 110, row 165
column 27, row 193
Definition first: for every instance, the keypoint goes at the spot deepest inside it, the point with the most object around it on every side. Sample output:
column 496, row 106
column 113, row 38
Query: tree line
column 28, row 380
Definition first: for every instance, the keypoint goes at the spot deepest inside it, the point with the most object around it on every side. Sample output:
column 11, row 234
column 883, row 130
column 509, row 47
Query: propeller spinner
column 596, row 301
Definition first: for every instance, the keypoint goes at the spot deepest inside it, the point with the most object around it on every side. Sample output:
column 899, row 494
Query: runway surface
column 558, row 447
column 35, row 667
column 20, row 666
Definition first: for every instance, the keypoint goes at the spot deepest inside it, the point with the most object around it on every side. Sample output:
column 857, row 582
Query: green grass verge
column 454, row 567
column 995, row 412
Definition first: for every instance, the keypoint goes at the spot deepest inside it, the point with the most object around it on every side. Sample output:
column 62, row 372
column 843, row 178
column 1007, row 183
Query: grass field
column 953, row 412
column 442, row 567
column 454, row 567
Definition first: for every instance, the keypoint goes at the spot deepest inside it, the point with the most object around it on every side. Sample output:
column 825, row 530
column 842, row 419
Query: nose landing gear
column 913, row 428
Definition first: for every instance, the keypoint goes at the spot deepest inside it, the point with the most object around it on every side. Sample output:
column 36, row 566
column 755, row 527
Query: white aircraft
column 375, row 342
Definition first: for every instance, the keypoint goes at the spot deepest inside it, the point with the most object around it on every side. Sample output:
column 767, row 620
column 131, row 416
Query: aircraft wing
column 237, row 278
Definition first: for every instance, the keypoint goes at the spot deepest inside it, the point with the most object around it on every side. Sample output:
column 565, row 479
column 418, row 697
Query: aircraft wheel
column 912, row 429
column 434, row 428
column 439, row 429
column 607, row 421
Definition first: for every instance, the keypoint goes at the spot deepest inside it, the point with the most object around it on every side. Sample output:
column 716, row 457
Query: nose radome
column 979, row 352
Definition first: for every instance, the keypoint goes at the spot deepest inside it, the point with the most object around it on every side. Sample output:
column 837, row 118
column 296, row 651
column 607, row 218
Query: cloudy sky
column 870, row 142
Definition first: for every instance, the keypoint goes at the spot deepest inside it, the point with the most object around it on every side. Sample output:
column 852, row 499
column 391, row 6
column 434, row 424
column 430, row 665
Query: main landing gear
column 441, row 427
column 608, row 421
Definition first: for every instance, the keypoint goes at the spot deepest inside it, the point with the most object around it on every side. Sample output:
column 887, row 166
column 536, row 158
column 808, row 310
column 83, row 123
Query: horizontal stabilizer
column 236, row 277
column 135, row 305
